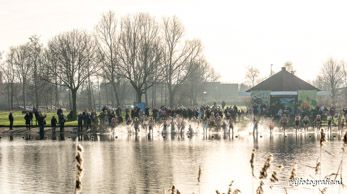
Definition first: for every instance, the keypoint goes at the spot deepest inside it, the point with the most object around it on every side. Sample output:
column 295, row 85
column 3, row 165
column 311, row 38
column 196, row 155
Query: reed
column 322, row 137
column 274, row 177
column 252, row 161
column 231, row 191
column 260, row 189
column 317, row 167
column 323, row 191
column 199, row 173
column 79, row 168
column 293, row 172
column 173, row 190
column 267, row 164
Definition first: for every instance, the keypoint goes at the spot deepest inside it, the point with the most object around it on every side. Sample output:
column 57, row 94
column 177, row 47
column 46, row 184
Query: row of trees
column 136, row 49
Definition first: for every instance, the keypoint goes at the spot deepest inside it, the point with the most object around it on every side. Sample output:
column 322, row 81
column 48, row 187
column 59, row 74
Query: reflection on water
column 153, row 165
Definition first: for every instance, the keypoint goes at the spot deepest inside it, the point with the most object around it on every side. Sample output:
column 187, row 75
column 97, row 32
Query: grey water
column 140, row 165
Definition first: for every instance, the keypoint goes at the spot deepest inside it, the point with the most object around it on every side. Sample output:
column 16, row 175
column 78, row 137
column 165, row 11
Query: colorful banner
column 307, row 99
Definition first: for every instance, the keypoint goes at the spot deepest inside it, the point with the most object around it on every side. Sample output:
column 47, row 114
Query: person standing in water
column 150, row 125
column 284, row 122
column 297, row 122
column 10, row 118
column 173, row 127
column 164, row 127
column 53, row 125
column 136, row 125
column 41, row 121
column 27, row 120
column 329, row 119
column 255, row 126
column 231, row 126
column 306, row 122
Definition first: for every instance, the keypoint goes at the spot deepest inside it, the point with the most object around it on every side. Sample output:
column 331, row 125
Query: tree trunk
column 23, row 94
column 36, row 90
column 115, row 92
column 12, row 95
column 56, row 95
column 74, row 104
column 171, row 92
column 9, row 97
column 146, row 97
column 138, row 95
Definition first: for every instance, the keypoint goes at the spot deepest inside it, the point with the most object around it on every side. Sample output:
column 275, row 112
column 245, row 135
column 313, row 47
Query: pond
column 141, row 165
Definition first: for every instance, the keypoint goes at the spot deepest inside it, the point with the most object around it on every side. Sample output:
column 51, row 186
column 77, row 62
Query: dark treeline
column 137, row 58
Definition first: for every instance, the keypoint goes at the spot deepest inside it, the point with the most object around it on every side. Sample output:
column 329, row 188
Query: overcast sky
column 235, row 34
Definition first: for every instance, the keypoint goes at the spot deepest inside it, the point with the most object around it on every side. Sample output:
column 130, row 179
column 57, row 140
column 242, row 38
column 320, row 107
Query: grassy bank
column 19, row 119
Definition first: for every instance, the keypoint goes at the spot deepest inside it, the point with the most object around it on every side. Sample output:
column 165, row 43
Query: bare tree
column 252, row 74
column 139, row 52
column 8, row 73
column 75, row 56
column 332, row 76
column 35, row 58
column 22, row 66
column 107, row 38
column 289, row 66
column 194, row 86
column 177, row 55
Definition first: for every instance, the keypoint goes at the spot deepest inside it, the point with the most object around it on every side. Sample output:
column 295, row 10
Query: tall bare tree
column 332, row 76
column 75, row 56
column 107, row 38
column 139, row 52
column 252, row 74
column 22, row 66
column 194, row 86
column 9, row 74
column 35, row 58
column 178, row 55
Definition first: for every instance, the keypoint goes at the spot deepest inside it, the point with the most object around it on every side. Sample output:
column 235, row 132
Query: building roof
column 283, row 81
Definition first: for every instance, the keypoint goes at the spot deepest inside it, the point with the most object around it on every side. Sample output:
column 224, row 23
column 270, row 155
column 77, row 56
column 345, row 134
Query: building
column 283, row 90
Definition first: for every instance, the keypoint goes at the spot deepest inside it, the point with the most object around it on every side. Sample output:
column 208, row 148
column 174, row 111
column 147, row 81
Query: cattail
column 274, row 177
column 260, row 188
column 285, row 190
column 199, row 173
column 79, row 168
column 293, row 172
column 267, row 164
column 322, row 137
column 323, row 191
column 345, row 138
column 173, row 189
column 252, row 161
column 317, row 168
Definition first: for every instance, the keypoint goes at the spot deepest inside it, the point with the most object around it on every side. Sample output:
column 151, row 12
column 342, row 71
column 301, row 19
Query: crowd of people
column 168, row 120
column 179, row 120
column 313, row 118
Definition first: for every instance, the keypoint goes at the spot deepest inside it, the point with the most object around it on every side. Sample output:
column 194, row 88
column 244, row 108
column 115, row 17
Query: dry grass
column 293, row 172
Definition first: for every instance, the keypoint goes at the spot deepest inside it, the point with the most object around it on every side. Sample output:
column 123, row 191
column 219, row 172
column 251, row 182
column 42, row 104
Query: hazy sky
column 235, row 34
